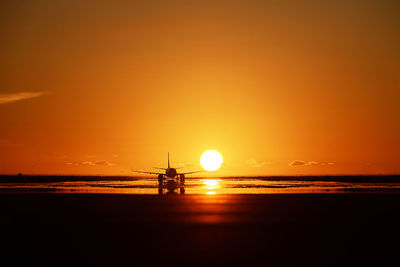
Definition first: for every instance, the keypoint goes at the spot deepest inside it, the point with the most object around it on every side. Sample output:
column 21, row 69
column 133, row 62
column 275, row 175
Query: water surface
column 150, row 186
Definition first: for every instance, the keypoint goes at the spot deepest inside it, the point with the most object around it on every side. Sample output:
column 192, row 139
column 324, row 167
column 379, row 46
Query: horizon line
column 216, row 176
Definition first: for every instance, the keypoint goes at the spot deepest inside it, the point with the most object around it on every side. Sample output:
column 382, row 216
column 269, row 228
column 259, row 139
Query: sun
column 211, row 160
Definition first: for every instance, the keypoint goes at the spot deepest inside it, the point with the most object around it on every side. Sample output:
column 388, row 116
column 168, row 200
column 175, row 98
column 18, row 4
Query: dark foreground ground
column 279, row 229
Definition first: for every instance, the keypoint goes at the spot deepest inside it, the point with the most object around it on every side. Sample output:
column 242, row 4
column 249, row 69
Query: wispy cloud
column 91, row 163
column 9, row 98
column 256, row 164
column 103, row 163
column 308, row 163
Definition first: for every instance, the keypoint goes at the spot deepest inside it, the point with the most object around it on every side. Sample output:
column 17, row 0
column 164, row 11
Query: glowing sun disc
column 211, row 160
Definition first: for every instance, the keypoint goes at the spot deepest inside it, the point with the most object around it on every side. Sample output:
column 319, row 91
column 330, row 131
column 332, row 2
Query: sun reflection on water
column 211, row 185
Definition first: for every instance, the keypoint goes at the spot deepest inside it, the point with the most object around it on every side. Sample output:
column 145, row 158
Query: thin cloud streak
column 10, row 98
column 91, row 163
column 308, row 163
column 256, row 164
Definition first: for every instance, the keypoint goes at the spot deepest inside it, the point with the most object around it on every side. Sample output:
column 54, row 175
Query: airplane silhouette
column 169, row 173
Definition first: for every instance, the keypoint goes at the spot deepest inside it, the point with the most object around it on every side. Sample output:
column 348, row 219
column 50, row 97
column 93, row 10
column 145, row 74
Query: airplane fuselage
column 170, row 172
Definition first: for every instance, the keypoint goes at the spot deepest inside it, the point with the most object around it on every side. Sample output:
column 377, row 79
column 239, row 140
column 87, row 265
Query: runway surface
column 247, row 229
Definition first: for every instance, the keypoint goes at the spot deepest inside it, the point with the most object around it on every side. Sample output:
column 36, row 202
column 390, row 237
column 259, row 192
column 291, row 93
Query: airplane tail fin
column 168, row 161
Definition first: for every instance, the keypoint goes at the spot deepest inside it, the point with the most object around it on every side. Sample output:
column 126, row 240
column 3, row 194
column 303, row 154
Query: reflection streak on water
column 210, row 185
column 202, row 186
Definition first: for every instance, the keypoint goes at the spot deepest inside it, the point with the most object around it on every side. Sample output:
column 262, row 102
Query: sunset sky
column 277, row 87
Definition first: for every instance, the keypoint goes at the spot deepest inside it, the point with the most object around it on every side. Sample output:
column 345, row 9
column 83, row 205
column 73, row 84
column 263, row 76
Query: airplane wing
column 158, row 168
column 149, row 172
column 190, row 172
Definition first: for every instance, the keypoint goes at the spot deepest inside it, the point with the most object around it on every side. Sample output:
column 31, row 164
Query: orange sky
column 278, row 87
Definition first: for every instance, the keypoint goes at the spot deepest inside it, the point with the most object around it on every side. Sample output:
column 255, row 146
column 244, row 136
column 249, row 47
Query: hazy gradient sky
column 278, row 87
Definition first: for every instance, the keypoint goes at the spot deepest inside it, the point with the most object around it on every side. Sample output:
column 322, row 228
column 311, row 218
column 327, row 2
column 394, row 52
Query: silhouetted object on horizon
column 171, row 179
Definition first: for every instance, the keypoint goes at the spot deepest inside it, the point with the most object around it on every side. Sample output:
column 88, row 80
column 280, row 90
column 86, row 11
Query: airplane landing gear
column 182, row 178
column 160, row 179
column 182, row 191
